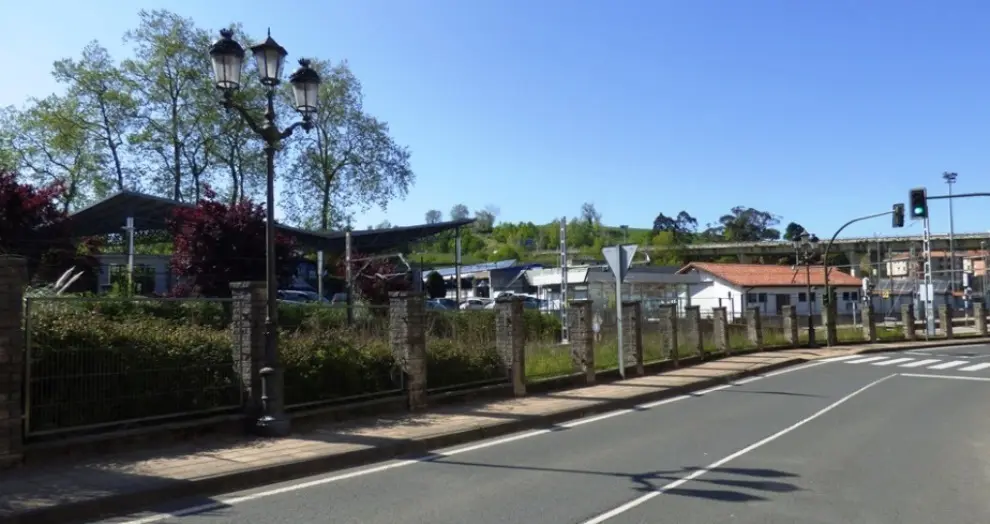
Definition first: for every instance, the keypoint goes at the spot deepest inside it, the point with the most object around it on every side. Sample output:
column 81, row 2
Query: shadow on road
column 758, row 481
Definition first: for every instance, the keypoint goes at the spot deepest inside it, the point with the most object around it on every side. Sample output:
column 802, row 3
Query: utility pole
column 950, row 179
column 565, row 334
column 983, row 274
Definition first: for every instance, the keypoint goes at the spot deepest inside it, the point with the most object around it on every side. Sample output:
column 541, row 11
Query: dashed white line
column 673, row 485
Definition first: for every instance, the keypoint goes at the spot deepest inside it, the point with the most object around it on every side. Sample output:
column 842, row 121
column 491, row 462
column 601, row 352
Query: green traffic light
column 919, row 210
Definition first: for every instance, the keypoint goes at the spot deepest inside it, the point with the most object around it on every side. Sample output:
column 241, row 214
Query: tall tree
column 172, row 78
column 590, row 214
column 486, row 218
column 746, row 224
column 348, row 162
column 433, row 216
column 51, row 143
column 682, row 228
column 793, row 231
column 459, row 212
column 106, row 108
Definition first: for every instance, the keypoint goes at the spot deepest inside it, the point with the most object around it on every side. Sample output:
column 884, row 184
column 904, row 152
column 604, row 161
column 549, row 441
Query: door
column 782, row 300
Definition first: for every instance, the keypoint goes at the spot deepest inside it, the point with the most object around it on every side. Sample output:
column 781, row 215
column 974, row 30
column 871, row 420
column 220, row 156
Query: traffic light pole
column 928, row 287
column 827, row 297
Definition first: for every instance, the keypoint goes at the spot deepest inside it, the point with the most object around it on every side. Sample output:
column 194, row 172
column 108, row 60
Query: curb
column 127, row 503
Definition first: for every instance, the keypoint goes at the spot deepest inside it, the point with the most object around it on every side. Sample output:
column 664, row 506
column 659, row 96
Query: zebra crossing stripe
column 920, row 363
column 840, row 359
column 976, row 367
column 892, row 362
column 948, row 365
column 865, row 360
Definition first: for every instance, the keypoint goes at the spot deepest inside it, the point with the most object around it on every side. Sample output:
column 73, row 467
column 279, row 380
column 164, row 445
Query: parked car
column 298, row 296
column 475, row 303
column 436, row 304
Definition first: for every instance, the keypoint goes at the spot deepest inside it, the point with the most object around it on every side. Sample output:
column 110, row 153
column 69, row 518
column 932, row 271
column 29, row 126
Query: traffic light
column 918, row 200
column 898, row 220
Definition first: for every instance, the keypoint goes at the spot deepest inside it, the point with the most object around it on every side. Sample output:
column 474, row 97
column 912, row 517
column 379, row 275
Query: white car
column 475, row 303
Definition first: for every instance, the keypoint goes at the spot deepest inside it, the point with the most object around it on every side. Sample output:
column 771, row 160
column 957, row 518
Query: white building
column 739, row 286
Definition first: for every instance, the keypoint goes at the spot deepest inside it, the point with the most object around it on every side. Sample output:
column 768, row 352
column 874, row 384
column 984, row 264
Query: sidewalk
column 136, row 480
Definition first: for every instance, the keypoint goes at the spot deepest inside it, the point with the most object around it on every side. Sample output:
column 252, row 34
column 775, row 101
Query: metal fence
column 93, row 363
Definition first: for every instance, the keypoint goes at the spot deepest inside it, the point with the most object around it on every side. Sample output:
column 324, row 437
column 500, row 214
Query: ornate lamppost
column 228, row 58
column 806, row 247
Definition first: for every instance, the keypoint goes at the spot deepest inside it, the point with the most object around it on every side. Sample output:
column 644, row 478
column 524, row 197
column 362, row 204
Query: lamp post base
column 270, row 426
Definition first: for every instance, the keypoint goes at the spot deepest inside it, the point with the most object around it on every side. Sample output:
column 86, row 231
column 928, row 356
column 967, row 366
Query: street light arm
column 306, row 125
column 228, row 103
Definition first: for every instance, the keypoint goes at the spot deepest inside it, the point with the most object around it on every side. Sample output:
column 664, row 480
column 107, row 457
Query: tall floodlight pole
column 228, row 58
column 950, row 179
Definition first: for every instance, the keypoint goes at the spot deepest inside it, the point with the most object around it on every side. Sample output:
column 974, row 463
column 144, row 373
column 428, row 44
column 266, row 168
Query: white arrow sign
column 619, row 258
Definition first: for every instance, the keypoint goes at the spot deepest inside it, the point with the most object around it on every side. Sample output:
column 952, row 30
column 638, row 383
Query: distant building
column 769, row 287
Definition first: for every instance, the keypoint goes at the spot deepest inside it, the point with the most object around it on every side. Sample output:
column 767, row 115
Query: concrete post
column 720, row 326
column 907, row 321
column 510, row 340
column 830, row 321
column 754, row 327
column 13, row 281
column 869, row 322
column 981, row 318
column 790, row 324
column 945, row 319
column 248, row 332
column 632, row 336
column 668, row 331
column 693, row 330
column 582, row 338
column 407, row 334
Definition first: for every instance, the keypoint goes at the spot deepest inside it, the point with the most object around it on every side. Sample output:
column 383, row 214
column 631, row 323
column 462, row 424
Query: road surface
column 871, row 439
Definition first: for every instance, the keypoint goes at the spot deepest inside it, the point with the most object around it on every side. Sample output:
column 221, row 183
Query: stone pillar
column 668, row 331
column 248, row 332
column 510, row 339
column 632, row 335
column 13, row 280
column 869, row 322
column 980, row 317
column 945, row 319
column 790, row 324
column 582, row 338
column 692, row 332
column 720, row 326
column 754, row 327
column 907, row 320
column 407, row 337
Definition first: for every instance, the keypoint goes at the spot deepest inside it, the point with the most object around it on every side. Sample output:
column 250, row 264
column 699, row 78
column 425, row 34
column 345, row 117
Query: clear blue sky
column 815, row 111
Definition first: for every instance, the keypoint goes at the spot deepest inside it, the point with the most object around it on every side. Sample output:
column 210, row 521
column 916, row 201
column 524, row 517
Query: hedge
column 101, row 361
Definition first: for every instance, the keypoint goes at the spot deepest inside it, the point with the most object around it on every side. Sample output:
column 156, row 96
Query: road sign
column 885, row 293
column 619, row 258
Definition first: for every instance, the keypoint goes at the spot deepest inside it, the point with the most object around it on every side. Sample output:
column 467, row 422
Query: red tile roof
column 765, row 275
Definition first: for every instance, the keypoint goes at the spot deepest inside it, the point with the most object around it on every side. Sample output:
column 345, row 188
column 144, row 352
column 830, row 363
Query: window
column 750, row 298
column 802, row 297
column 845, row 296
column 813, row 298
column 854, row 295
column 763, row 297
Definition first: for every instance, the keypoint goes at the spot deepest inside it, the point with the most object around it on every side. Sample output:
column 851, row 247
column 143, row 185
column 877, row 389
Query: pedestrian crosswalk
column 968, row 366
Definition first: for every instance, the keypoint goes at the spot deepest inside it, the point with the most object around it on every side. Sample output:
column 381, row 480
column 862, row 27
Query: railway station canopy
column 151, row 213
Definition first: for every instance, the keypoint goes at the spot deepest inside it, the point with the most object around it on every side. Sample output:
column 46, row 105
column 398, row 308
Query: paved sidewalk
column 124, row 482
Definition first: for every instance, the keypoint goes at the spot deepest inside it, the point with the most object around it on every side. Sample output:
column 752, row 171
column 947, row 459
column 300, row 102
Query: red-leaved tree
column 217, row 243
column 374, row 279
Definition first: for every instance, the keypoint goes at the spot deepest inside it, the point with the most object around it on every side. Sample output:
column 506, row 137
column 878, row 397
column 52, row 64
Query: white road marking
column 892, row 362
column 947, row 365
column 976, row 367
column 223, row 503
column 707, row 469
column 920, row 363
column 951, row 377
column 865, row 360
column 839, row 359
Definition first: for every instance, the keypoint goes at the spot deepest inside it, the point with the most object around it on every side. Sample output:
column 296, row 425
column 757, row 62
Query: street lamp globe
column 306, row 87
column 269, row 56
column 228, row 57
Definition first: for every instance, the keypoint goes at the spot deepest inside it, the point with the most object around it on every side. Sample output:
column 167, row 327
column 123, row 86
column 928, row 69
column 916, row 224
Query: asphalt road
column 833, row 442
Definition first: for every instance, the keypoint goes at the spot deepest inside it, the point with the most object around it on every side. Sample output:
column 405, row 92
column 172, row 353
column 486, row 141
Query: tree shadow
column 724, row 489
